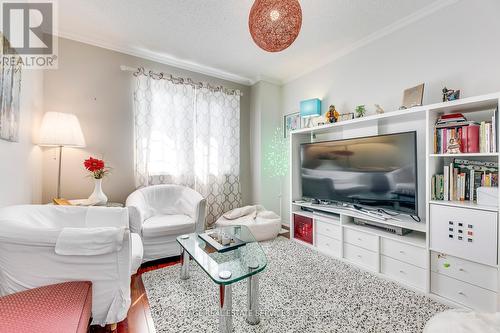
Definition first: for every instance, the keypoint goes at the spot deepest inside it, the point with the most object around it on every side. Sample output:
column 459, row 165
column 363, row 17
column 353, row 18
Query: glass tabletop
column 242, row 262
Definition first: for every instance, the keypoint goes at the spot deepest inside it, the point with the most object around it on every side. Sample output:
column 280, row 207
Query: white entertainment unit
column 428, row 259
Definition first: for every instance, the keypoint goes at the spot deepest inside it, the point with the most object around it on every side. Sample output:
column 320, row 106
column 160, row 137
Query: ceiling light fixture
column 275, row 24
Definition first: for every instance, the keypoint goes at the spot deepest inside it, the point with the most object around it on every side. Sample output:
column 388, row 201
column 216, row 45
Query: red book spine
column 473, row 139
column 462, row 132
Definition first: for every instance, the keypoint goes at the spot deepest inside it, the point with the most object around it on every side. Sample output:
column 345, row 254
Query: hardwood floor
column 139, row 318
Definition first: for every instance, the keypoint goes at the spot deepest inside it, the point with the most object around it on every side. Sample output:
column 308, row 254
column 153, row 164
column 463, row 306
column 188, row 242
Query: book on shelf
column 450, row 118
column 472, row 136
column 461, row 178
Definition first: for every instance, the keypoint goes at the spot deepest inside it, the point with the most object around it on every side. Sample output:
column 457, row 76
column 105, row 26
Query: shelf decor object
column 275, row 24
column 60, row 130
column 291, row 122
column 310, row 108
column 413, row 97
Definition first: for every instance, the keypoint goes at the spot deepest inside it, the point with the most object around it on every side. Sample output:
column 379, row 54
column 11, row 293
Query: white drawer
column 467, row 233
column 404, row 252
column 406, row 273
column 328, row 229
column 464, row 270
column 464, row 293
column 328, row 245
column 361, row 256
column 361, row 239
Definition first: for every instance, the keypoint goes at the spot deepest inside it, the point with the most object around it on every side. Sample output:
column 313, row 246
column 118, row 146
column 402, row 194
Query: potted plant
column 360, row 111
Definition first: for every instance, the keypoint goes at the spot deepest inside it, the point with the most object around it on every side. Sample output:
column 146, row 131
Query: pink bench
column 58, row 308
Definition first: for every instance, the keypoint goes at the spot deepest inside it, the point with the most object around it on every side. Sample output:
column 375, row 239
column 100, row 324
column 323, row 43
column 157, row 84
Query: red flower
column 93, row 164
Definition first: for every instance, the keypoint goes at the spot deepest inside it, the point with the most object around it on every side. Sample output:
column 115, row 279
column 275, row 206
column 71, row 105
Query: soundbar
column 389, row 228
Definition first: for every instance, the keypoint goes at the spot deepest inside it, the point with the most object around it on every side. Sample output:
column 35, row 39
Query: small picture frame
column 346, row 116
column 413, row 97
column 291, row 122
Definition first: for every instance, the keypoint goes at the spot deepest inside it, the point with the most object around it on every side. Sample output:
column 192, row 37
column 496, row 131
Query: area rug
column 300, row 291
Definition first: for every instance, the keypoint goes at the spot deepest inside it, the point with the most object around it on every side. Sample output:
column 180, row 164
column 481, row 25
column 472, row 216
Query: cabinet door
column 303, row 228
column 465, row 233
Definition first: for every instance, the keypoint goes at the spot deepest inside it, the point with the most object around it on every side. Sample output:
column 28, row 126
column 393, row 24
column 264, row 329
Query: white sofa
column 160, row 213
column 32, row 253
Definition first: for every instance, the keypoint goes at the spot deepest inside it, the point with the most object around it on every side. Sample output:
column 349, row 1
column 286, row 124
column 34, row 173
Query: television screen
column 378, row 171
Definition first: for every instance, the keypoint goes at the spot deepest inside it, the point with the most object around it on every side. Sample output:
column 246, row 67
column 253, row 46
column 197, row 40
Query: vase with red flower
column 98, row 170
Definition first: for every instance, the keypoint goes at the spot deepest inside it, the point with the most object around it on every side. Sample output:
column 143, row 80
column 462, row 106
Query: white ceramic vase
column 98, row 197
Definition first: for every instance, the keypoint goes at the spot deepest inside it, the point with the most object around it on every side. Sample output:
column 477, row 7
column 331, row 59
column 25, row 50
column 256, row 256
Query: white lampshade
column 61, row 129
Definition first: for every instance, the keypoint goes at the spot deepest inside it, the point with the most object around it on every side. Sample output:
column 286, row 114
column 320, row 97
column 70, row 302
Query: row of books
column 471, row 137
column 461, row 178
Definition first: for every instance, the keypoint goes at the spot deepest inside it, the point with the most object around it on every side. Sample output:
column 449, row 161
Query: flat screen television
column 378, row 171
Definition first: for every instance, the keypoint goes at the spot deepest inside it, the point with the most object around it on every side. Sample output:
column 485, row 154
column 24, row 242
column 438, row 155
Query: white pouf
column 263, row 224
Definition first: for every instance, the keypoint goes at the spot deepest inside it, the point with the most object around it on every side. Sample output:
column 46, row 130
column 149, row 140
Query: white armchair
column 34, row 253
column 160, row 213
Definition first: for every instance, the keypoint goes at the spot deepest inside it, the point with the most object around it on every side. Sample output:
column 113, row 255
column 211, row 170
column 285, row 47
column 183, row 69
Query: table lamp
column 310, row 108
column 60, row 130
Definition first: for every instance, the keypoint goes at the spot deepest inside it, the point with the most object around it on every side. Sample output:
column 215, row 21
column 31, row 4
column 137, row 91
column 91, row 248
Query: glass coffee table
column 226, row 268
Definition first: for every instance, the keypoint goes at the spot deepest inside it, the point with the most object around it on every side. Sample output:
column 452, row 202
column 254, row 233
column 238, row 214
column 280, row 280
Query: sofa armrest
column 200, row 214
column 194, row 205
column 137, row 210
column 136, row 218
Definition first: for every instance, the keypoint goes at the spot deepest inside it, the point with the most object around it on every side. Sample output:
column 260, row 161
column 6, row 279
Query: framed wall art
column 291, row 122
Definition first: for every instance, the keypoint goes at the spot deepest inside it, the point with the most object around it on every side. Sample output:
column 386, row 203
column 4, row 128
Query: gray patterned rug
column 300, row 291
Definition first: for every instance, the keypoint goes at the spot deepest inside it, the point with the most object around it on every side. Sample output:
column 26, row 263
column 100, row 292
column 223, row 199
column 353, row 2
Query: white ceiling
column 211, row 36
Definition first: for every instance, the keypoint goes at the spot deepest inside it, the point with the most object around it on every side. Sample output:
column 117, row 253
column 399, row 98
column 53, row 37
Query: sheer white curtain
column 188, row 136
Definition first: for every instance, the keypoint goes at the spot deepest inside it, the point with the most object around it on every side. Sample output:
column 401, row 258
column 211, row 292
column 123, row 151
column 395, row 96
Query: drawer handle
column 328, row 244
column 402, row 272
column 461, row 293
column 360, row 239
column 402, row 252
column 461, row 269
column 360, row 256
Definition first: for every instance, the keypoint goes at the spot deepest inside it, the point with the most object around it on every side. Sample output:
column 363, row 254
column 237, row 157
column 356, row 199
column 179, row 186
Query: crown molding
column 161, row 58
column 391, row 28
column 268, row 79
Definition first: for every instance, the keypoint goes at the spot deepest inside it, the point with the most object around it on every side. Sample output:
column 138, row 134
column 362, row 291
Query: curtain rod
column 179, row 80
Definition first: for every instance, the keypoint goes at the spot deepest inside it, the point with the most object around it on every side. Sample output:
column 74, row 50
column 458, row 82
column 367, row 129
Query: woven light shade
column 275, row 24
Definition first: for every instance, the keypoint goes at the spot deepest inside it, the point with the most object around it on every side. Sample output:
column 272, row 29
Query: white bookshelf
column 422, row 120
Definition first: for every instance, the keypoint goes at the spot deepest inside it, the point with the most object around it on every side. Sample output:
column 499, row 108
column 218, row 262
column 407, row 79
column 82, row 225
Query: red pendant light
column 275, row 24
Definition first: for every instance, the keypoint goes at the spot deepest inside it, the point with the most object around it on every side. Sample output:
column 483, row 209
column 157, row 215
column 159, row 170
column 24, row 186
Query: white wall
column 20, row 166
column 457, row 47
column 90, row 84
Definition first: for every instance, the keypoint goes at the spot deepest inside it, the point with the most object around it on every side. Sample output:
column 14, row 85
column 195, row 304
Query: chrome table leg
column 184, row 265
column 225, row 309
column 253, row 300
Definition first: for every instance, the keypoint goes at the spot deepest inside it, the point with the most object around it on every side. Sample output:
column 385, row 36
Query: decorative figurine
column 332, row 116
column 450, row 94
column 379, row 109
column 453, row 146
column 360, row 111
